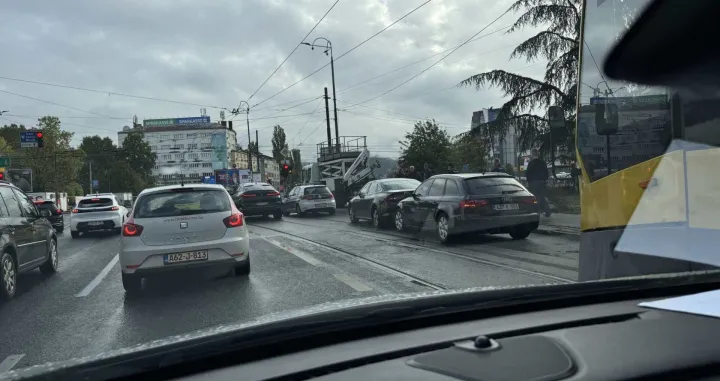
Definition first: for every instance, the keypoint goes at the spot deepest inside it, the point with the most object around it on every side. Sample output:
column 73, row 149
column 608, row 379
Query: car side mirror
column 45, row 213
column 355, row 193
column 415, row 196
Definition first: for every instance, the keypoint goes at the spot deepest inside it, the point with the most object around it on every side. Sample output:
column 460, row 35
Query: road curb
column 557, row 230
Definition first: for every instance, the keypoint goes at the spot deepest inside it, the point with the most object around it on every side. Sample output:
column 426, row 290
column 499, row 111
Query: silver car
column 182, row 227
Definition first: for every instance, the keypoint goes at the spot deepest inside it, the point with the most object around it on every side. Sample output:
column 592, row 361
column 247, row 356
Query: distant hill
column 386, row 165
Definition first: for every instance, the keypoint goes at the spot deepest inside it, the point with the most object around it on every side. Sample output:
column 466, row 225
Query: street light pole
column 328, row 48
column 247, row 120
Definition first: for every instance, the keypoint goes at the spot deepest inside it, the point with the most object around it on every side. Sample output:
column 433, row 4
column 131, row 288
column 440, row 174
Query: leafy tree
column 101, row 153
column 278, row 144
column 5, row 147
column 510, row 169
column 74, row 189
column 296, row 165
column 426, row 144
column 11, row 134
column 134, row 163
column 253, row 148
column 57, row 164
column 559, row 44
column 466, row 149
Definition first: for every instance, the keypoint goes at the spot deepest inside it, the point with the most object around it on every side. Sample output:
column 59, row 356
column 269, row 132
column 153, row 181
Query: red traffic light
column 39, row 134
column 285, row 166
column 2, row 176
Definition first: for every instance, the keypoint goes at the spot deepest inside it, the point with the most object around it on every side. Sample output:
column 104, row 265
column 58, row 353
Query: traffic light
column 285, row 170
column 39, row 137
column 2, row 175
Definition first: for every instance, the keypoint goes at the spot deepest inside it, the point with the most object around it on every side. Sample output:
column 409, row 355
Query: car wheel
column 278, row 215
column 443, row 228
column 131, row 283
column 298, row 211
column 243, row 269
column 8, row 276
column 376, row 218
column 519, row 232
column 351, row 214
column 399, row 221
column 50, row 266
column 74, row 234
column 285, row 213
column 332, row 212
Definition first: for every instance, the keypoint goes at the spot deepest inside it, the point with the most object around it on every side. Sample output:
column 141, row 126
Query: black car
column 27, row 240
column 56, row 214
column 254, row 199
column 378, row 199
column 492, row 203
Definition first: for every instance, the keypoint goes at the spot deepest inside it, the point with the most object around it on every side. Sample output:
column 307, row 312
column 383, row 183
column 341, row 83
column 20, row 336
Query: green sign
column 4, row 161
column 158, row 122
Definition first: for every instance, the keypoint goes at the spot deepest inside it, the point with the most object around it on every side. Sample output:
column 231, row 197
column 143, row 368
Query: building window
column 192, row 146
column 205, row 155
column 165, row 146
column 178, row 136
column 205, row 145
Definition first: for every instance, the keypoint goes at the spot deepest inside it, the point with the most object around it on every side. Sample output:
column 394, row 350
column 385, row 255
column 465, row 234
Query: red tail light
column 74, row 210
column 332, row 196
column 115, row 208
column 234, row 220
column 274, row 194
column 473, row 203
column 131, row 230
column 248, row 195
column 530, row 200
column 59, row 211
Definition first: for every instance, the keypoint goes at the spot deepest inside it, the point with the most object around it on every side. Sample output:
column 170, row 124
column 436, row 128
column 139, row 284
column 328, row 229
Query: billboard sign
column 173, row 121
column 28, row 139
column 220, row 155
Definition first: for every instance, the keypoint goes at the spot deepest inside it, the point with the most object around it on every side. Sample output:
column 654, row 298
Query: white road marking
column 10, row 362
column 352, row 282
column 98, row 278
column 298, row 253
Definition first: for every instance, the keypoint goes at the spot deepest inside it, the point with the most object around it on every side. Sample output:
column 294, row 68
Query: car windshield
column 181, row 202
column 49, row 205
column 227, row 162
column 399, row 184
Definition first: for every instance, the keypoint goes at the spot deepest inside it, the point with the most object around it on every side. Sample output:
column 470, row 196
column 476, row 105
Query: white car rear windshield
column 95, row 202
column 182, row 202
column 317, row 190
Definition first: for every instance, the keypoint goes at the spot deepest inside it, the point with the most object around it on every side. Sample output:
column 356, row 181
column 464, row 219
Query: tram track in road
column 376, row 235
column 377, row 264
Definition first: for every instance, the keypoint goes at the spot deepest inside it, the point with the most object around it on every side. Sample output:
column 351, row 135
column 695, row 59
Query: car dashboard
column 606, row 341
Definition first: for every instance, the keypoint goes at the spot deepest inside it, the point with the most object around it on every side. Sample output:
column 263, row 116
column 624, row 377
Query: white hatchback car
column 101, row 211
column 181, row 227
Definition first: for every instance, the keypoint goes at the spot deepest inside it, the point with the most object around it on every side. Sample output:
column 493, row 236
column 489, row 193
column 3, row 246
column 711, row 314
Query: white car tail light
column 234, row 220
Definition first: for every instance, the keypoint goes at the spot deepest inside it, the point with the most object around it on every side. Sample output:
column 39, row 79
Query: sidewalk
column 560, row 223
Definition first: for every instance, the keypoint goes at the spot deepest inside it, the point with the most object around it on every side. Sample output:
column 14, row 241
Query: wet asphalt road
column 296, row 262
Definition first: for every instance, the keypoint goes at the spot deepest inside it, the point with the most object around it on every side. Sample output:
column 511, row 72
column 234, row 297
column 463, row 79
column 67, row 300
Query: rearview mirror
column 45, row 213
column 415, row 196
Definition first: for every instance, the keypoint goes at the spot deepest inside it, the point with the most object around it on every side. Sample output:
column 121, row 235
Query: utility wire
column 53, row 103
column 438, row 61
column 110, row 93
column 344, row 54
column 293, row 51
column 313, row 131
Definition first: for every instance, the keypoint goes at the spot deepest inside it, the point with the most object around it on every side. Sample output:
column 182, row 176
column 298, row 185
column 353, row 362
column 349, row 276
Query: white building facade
column 505, row 148
column 191, row 149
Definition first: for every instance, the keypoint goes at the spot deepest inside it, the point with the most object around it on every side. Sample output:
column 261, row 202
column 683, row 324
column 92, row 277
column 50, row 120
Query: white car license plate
column 95, row 223
column 190, row 256
column 261, row 203
column 506, row 207
column 321, row 205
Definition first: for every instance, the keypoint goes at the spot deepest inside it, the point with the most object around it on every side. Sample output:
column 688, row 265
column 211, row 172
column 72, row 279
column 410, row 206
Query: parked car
column 27, row 237
column 378, row 199
column 97, row 212
column 56, row 218
column 255, row 199
column 492, row 203
column 304, row 199
column 182, row 227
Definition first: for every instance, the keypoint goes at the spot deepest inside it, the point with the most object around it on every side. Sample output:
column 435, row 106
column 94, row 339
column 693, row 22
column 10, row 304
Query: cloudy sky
column 214, row 53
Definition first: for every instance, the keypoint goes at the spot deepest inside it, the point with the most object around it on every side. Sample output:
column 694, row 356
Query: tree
column 426, row 144
column 101, row 153
column 559, row 44
column 466, row 149
column 279, row 144
column 133, row 169
column 11, row 134
column 253, row 148
column 56, row 165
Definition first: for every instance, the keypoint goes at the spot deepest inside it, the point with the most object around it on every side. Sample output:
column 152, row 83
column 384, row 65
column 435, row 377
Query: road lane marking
column 98, row 278
column 352, row 282
column 10, row 362
column 298, row 253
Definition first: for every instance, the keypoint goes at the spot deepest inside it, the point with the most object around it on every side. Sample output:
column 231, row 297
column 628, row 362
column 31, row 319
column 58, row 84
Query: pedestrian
column 537, row 176
column 574, row 174
column 497, row 167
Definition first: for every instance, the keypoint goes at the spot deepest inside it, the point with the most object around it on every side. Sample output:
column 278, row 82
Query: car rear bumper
column 318, row 205
column 258, row 210
column 141, row 258
column 81, row 224
column 191, row 266
column 494, row 224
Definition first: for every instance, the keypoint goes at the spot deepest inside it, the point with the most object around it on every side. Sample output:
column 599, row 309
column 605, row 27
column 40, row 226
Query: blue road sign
column 28, row 139
column 95, row 183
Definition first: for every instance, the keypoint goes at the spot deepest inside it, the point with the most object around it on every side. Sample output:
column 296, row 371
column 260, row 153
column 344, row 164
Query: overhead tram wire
column 293, row 51
column 308, row 120
column 56, row 104
column 313, row 131
column 436, row 62
column 344, row 54
column 111, row 93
